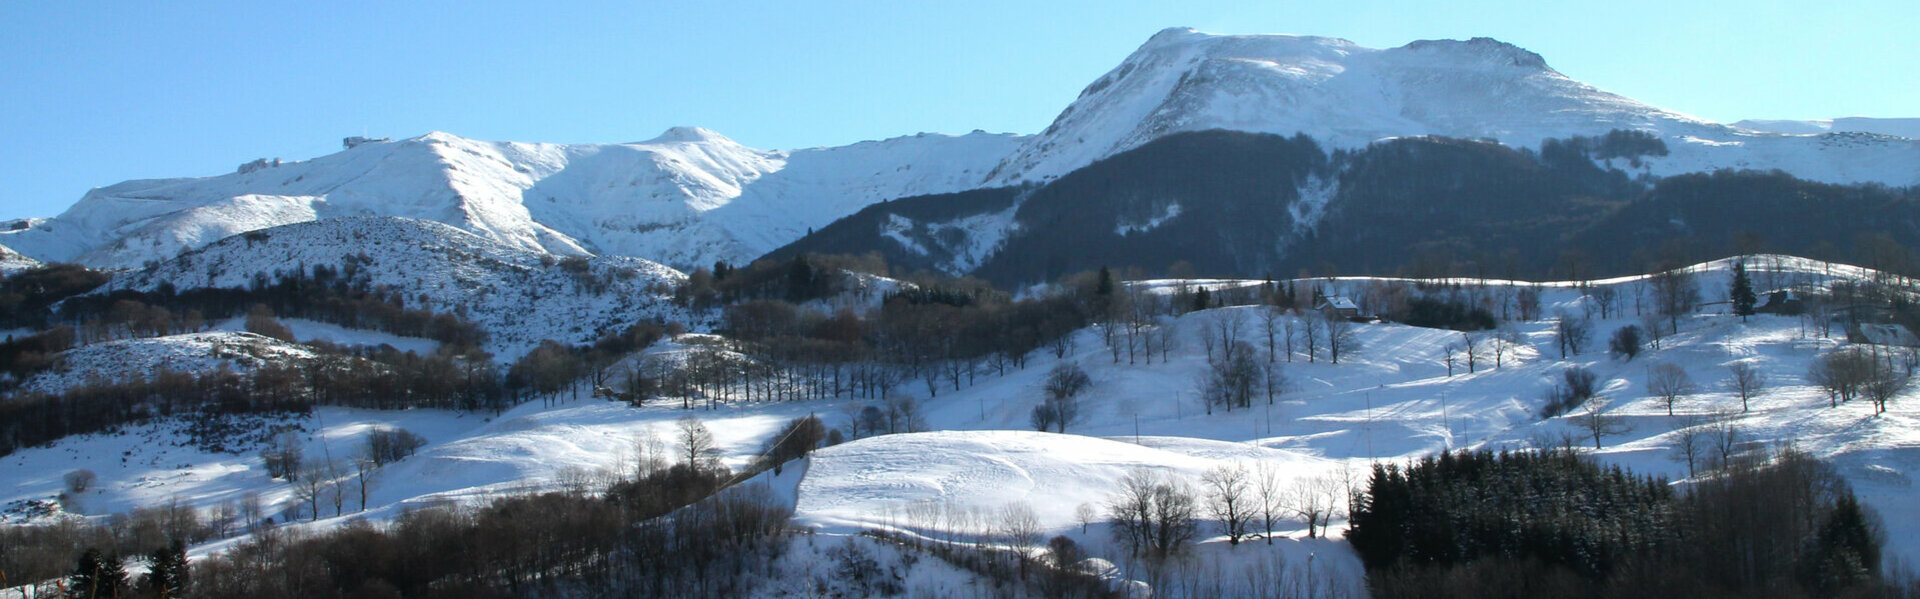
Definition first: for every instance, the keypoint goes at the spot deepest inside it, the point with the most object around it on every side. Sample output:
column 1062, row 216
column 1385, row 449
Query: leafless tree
column 1310, row 327
column 1472, row 344
column 250, row 508
column 1152, row 514
column 1506, row 339
column 1340, row 336
column 1690, row 442
column 1745, row 380
column 310, row 485
column 1317, row 500
column 363, row 469
column 1271, row 496
column 1085, row 515
column 1228, row 500
column 1674, row 294
column 1573, row 332
column 80, row 481
column 1725, row 438
column 1668, row 381
column 1883, row 383
column 1273, row 322
column 697, row 446
column 1598, row 423
column 1020, row 529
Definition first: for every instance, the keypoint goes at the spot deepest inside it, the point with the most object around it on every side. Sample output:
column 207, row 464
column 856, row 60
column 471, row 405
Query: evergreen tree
column 1742, row 294
column 1202, row 299
column 97, row 575
column 167, row 572
column 1845, row 553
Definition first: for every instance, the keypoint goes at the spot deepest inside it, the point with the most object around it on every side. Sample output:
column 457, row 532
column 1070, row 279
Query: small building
column 1784, row 301
column 1340, row 305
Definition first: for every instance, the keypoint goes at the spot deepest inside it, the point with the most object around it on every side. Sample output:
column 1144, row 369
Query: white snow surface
column 688, row 197
column 1347, row 96
column 520, row 296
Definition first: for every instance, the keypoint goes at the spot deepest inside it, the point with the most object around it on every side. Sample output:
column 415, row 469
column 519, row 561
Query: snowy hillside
column 520, row 296
column 1347, row 96
column 1908, row 128
column 114, row 361
column 1391, row 399
column 688, row 197
column 11, row 261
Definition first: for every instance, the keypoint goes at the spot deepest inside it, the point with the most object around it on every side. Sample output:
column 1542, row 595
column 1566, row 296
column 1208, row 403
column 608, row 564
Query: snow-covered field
column 1392, row 400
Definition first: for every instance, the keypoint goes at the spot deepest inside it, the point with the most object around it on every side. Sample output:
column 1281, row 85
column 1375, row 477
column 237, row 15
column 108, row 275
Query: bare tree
column 1232, row 377
column 1607, row 297
column 1471, row 344
column 250, row 508
column 1271, row 498
column 1085, row 515
column 1153, row 515
column 697, row 446
column 1506, row 339
column 1272, row 322
column 1340, row 336
column 1745, row 380
column 1842, row 373
column 1883, row 383
column 1668, row 381
column 1573, row 332
column 1317, row 500
column 1066, row 380
column 1228, row 500
column 1725, row 438
column 80, row 481
column 363, row 470
column 1449, row 353
column 1690, row 442
column 310, row 485
column 1674, row 294
column 1020, row 529
column 1599, row 424
column 1310, row 327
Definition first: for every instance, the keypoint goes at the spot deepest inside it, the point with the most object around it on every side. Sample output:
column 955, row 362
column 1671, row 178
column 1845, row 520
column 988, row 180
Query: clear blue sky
column 92, row 93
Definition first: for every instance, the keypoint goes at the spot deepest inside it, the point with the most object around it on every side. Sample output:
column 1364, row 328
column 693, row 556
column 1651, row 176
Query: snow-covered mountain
column 1908, row 128
column 1347, row 96
column 691, row 197
column 11, row 261
column 687, row 197
column 520, row 295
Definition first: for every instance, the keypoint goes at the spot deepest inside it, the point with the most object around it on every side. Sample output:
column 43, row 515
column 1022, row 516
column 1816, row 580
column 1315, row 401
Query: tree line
column 1553, row 523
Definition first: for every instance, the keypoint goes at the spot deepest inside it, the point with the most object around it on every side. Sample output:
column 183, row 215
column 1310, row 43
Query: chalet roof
column 1339, row 303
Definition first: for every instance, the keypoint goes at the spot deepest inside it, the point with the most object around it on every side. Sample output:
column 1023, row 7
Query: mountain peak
column 686, row 134
column 1483, row 49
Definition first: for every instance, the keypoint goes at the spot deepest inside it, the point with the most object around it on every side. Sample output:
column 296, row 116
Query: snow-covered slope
column 116, row 361
column 519, row 295
column 12, row 261
column 688, row 197
column 1345, row 95
column 1908, row 128
column 1392, row 399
